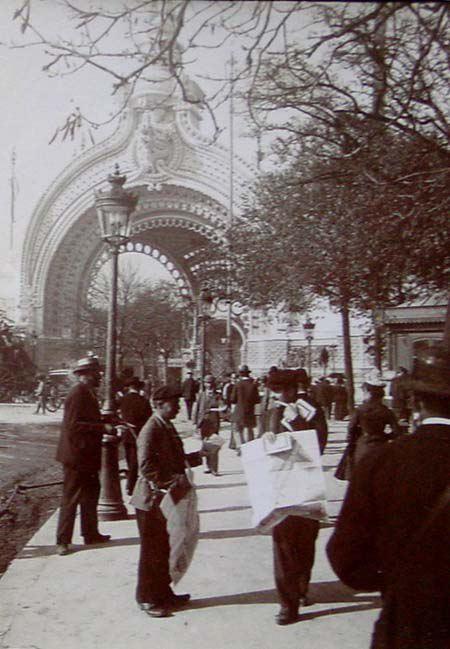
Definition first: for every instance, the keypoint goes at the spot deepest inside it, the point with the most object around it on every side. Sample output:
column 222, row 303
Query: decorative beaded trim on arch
column 208, row 231
column 180, row 277
column 197, row 260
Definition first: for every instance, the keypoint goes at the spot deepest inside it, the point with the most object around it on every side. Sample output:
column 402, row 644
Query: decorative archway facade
column 182, row 181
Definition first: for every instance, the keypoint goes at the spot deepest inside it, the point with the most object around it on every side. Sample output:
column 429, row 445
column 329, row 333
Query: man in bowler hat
column 392, row 533
column 79, row 450
column 161, row 461
column 245, row 396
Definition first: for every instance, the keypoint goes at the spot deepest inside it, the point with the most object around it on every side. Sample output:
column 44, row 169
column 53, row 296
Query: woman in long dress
column 371, row 425
column 367, row 427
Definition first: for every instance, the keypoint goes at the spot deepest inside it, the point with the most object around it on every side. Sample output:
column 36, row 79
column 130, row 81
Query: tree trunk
column 142, row 366
column 378, row 357
column 446, row 339
column 348, row 363
column 165, row 371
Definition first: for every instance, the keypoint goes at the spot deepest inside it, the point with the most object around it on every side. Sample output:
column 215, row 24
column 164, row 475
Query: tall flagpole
column 13, row 198
column 230, row 224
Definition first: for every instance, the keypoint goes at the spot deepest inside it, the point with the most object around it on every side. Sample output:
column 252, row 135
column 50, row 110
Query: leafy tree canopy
column 367, row 229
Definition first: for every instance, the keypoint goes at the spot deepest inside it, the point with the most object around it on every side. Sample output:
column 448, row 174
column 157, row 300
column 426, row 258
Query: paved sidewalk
column 86, row 600
column 24, row 413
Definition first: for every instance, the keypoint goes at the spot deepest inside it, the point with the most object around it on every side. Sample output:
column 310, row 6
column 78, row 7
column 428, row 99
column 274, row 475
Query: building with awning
column 413, row 325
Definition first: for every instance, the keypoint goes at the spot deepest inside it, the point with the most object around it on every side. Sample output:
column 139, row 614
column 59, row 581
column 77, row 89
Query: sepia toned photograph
column 224, row 324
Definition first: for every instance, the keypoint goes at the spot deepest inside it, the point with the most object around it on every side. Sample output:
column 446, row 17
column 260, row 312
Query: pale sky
column 33, row 105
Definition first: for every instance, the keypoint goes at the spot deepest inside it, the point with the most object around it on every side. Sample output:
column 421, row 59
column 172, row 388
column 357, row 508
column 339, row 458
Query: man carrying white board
column 294, row 537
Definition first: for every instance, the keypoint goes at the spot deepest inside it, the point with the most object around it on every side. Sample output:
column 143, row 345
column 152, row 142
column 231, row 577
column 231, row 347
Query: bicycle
column 53, row 404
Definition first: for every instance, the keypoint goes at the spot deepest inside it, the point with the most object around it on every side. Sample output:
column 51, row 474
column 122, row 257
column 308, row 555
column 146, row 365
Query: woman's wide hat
column 431, row 370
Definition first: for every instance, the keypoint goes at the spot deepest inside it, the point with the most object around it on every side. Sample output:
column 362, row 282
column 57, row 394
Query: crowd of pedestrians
column 390, row 535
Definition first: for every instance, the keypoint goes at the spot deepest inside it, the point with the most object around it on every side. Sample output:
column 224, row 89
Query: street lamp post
column 308, row 328
column 114, row 208
column 229, row 335
column 205, row 303
column 333, row 356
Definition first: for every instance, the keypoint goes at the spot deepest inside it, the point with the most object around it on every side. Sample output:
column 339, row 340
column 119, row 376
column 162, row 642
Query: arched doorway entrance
column 216, row 350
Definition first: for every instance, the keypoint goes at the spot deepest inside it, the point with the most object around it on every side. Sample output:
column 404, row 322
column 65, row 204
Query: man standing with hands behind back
column 189, row 390
column 245, row 396
column 79, row 450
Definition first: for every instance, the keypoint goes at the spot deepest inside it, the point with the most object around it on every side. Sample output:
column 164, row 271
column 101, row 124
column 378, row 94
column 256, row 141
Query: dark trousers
column 41, row 403
column 132, row 464
column 79, row 488
column 293, row 557
column 245, row 437
column 153, row 586
column 189, row 403
column 212, row 455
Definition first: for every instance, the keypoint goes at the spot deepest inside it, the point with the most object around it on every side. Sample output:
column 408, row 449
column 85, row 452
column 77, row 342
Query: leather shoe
column 178, row 600
column 62, row 549
column 285, row 616
column 154, row 610
column 98, row 538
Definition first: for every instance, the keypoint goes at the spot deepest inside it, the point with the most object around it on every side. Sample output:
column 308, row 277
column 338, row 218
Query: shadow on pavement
column 227, row 534
column 235, row 508
column 231, row 473
column 253, row 597
column 36, row 551
column 221, row 485
column 320, row 593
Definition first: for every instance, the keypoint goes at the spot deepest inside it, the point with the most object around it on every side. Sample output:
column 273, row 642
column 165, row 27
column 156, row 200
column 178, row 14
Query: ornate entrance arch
column 182, row 181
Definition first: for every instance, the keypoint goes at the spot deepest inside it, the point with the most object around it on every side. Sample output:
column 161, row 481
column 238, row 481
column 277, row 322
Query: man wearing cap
column 294, row 537
column 134, row 410
column 392, row 533
column 245, row 396
column 162, row 463
column 79, row 450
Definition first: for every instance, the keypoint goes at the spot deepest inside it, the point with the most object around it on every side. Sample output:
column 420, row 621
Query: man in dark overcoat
column 135, row 409
column 79, row 450
column 189, row 391
column 162, row 463
column 393, row 531
column 324, row 393
column 245, row 396
column 294, row 537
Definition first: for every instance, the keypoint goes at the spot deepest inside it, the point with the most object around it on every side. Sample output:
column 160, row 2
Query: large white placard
column 285, row 478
